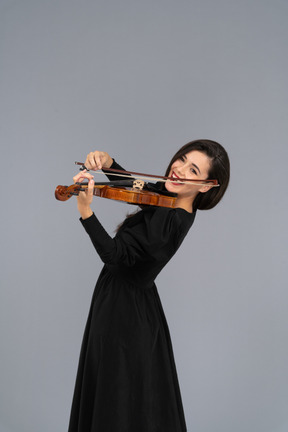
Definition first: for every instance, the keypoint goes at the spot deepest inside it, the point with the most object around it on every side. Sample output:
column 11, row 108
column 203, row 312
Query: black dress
column 127, row 380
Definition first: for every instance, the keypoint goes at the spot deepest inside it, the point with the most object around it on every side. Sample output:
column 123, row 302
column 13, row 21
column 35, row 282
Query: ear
column 205, row 188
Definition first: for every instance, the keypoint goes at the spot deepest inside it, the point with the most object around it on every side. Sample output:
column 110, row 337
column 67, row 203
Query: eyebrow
column 193, row 164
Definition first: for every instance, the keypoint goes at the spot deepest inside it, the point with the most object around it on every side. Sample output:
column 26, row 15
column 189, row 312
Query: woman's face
column 194, row 165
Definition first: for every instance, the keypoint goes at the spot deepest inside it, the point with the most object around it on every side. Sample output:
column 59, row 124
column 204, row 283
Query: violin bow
column 142, row 176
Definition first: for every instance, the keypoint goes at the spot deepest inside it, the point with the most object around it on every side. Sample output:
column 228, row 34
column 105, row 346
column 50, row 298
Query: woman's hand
column 84, row 199
column 97, row 160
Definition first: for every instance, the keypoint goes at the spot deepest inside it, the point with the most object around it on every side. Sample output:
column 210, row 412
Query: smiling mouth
column 177, row 182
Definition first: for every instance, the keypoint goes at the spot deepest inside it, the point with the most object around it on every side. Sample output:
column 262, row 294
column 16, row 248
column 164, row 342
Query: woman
column 127, row 380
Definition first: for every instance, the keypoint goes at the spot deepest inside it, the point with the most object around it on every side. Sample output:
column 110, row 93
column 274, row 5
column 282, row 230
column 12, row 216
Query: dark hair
column 219, row 170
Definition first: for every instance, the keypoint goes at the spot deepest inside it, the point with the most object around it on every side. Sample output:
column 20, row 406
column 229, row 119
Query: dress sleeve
column 149, row 235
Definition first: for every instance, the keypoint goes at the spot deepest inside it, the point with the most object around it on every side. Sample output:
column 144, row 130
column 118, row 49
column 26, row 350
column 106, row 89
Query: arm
column 152, row 236
column 84, row 199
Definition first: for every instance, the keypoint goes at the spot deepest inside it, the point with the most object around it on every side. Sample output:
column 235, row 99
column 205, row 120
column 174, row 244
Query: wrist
column 85, row 212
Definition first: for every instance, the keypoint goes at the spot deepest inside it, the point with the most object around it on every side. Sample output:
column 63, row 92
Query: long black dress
column 127, row 379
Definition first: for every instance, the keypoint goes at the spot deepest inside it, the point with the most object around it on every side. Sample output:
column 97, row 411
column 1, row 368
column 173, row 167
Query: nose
column 181, row 170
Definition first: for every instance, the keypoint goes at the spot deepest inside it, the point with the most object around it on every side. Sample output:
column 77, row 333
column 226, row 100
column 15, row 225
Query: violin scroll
column 63, row 193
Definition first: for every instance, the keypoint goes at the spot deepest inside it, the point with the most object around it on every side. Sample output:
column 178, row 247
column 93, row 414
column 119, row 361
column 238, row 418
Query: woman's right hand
column 97, row 160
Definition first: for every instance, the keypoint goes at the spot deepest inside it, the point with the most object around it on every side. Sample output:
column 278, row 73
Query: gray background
column 139, row 79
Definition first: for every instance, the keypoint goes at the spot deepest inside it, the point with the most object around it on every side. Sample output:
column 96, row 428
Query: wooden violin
column 131, row 196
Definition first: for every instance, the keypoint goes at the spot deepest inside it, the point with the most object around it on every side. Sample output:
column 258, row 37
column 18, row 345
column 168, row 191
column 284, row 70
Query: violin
column 131, row 196
column 130, row 191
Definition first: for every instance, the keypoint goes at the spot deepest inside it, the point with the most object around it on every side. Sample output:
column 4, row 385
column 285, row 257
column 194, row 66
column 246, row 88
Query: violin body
column 138, row 197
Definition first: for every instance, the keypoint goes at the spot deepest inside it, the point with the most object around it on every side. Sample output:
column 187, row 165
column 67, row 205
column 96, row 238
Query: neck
column 185, row 204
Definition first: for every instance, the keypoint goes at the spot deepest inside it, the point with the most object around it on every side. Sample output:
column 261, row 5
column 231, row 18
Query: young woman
column 127, row 380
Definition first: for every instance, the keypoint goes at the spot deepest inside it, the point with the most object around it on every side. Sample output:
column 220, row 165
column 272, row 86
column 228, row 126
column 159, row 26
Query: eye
column 193, row 171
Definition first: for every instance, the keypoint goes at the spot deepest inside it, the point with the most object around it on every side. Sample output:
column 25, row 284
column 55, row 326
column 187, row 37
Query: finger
column 98, row 160
column 90, row 188
column 90, row 162
column 95, row 160
column 82, row 176
column 78, row 177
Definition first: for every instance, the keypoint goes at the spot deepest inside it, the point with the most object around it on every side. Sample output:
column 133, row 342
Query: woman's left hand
column 85, row 199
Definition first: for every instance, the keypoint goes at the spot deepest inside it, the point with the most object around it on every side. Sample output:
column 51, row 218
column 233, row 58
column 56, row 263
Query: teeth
column 174, row 176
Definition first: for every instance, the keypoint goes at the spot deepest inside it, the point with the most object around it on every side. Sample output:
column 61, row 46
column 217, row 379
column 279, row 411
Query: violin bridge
column 138, row 184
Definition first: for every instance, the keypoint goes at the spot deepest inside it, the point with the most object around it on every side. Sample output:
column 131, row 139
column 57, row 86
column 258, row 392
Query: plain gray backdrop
column 139, row 79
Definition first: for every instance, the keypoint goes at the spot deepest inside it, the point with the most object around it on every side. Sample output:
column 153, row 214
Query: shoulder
column 159, row 220
column 168, row 220
column 178, row 214
column 156, row 229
